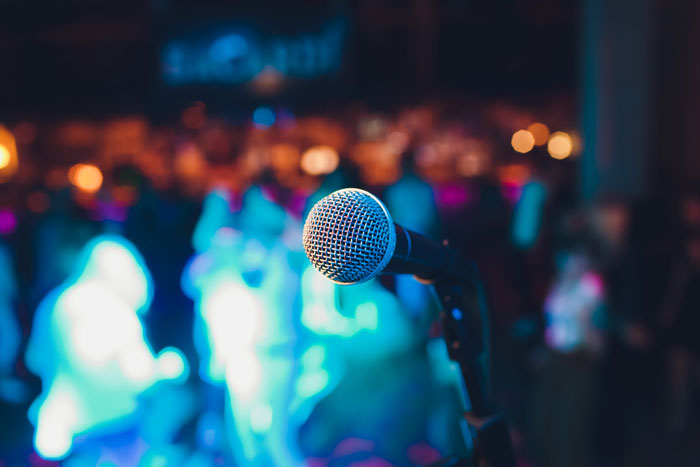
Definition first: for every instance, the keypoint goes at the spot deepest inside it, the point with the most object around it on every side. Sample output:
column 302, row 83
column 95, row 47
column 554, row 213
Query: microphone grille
column 349, row 236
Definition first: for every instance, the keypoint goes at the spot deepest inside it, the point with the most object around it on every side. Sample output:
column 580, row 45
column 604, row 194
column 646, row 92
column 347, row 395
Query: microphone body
column 350, row 238
column 426, row 259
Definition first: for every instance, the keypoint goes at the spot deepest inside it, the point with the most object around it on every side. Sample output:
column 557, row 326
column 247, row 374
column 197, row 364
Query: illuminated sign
column 238, row 56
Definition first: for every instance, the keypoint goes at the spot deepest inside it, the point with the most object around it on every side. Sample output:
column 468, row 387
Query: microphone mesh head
column 349, row 236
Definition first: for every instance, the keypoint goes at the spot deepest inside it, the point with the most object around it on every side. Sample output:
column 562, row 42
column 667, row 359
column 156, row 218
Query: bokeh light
column 475, row 160
column 427, row 155
column 268, row 81
column 516, row 174
column 86, row 177
column 189, row 161
column 471, row 164
column 263, row 117
column 319, row 160
column 560, row 145
column 522, row 141
column 8, row 154
column 8, row 222
column 372, row 128
column 540, row 132
column 5, row 156
column 284, row 158
column 397, row 141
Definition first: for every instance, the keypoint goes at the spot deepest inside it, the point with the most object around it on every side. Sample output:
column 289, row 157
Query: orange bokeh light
column 560, row 145
column 319, row 160
column 8, row 155
column 522, row 141
column 541, row 133
column 5, row 156
column 86, row 177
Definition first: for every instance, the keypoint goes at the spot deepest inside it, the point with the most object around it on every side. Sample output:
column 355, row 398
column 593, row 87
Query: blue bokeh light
column 264, row 117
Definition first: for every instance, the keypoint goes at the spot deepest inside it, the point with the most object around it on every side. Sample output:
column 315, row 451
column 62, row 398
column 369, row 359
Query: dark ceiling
column 96, row 57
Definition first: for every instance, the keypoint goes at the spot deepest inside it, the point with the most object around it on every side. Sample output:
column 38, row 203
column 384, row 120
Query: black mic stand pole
column 466, row 331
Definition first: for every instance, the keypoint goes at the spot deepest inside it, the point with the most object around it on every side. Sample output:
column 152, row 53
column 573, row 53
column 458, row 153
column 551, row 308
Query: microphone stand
column 465, row 330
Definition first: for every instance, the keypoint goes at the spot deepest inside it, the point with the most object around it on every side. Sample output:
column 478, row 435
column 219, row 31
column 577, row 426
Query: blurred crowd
column 157, row 307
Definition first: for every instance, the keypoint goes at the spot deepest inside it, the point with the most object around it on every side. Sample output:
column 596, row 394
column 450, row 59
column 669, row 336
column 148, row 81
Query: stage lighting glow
column 540, row 132
column 190, row 162
column 311, row 383
column 8, row 154
column 527, row 217
column 397, row 141
column 209, row 436
column 5, row 156
column 243, row 375
column 239, row 328
column 136, row 364
column 261, row 418
column 372, row 128
column 453, row 196
column 320, row 313
column 11, row 389
column 86, row 177
column 560, row 145
column 232, row 334
column 276, row 367
column 89, row 348
column 313, row 356
column 170, row 364
column 284, row 157
column 8, row 222
column 573, row 307
column 268, row 81
column 228, row 48
column 96, row 336
column 244, row 291
column 522, row 141
column 57, row 415
column 411, row 202
column 319, row 160
column 514, row 174
column 366, row 316
column 427, row 156
column 472, row 164
column 263, row 117
column 117, row 266
column 216, row 216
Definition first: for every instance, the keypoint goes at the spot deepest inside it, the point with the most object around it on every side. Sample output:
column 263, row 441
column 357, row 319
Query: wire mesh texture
column 349, row 236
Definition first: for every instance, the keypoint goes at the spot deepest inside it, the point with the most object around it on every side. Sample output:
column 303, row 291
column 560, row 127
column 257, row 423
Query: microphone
column 349, row 237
